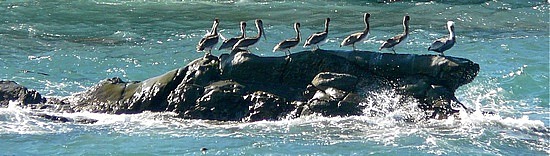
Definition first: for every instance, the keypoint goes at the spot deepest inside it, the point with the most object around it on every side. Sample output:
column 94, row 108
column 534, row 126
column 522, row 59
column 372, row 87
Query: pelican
column 392, row 42
column 209, row 40
column 289, row 43
column 318, row 37
column 358, row 36
column 442, row 44
column 246, row 42
column 229, row 43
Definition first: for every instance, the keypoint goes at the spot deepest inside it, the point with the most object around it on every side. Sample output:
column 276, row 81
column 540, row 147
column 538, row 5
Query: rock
column 153, row 93
column 335, row 94
column 304, row 66
column 184, row 97
column 249, row 68
column 242, row 86
column 344, row 82
column 439, row 99
column 415, row 86
column 447, row 71
column 54, row 118
column 116, row 96
column 11, row 91
column 62, row 119
column 333, row 102
column 350, row 105
column 240, row 77
column 287, row 78
column 222, row 100
column 105, row 97
column 86, row 121
column 266, row 106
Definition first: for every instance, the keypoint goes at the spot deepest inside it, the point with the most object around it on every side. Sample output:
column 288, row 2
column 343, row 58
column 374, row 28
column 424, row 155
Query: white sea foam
column 17, row 120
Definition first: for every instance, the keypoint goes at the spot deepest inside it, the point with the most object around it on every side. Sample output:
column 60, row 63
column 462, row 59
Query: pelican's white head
column 450, row 23
column 451, row 27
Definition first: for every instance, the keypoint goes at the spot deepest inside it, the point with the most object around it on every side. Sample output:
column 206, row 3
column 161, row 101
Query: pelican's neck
column 260, row 30
column 406, row 27
column 367, row 25
column 326, row 26
column 451, row 32
column 243, row 31
column 214, row 29
column 297, row 33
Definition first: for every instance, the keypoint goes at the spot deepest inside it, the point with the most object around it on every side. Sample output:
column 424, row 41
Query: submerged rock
column 63, row 119
column 245, row 87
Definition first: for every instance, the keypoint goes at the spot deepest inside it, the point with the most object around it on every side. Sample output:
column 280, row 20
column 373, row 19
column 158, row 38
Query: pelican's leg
column 353, row 45
column 393, row 50
column 206, row 53
column 288, row 58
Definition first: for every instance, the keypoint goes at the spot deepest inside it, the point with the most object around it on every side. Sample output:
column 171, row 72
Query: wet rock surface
column 245, row 87
column 266, row 106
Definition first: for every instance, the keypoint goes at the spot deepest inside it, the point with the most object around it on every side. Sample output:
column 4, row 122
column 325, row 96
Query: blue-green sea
column 63, row 47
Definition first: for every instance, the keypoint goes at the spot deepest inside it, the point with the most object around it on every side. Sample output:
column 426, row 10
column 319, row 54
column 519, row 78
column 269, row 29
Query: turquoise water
column 63, row 47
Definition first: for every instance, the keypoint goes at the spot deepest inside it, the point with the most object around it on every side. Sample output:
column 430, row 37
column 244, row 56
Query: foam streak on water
column 63, row 47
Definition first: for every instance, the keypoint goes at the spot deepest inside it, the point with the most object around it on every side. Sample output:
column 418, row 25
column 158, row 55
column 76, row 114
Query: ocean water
column 63, row 47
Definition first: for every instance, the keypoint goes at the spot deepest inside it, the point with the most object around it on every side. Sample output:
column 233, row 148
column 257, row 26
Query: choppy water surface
column 63, row 47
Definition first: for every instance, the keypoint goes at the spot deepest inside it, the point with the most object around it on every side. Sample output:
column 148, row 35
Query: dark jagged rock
column 245, row 87
column 222, row 100
column 266, row 106
column 11, row 91
column 439, row 99
column 184, row 97
column 329, row 99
